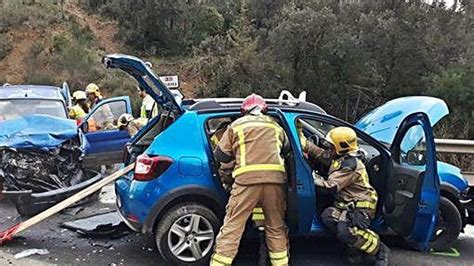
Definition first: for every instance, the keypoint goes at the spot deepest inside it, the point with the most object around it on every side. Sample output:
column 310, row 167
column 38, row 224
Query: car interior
column 315, row 131
column 166, row 118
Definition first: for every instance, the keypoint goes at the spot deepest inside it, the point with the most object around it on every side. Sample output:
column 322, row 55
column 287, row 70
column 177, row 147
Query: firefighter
column 93, row 95
column 80, row 108
column 132, row 125
column 355, row 199
column 149, row 108
column 103, row 118
column 256, row 143
column 225, row 173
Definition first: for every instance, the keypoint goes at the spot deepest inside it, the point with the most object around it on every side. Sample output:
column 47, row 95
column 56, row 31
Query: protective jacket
column 347, row 177
column 76, row 112
column 256, row 162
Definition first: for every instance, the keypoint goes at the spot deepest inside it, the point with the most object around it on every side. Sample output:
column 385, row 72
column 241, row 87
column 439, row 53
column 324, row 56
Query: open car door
column 104, row 142
column 411, row 203
column 300, row 187
column 66, row 92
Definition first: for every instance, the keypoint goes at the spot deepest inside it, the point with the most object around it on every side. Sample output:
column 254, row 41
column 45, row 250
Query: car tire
column 448, row 227
column 194, row 230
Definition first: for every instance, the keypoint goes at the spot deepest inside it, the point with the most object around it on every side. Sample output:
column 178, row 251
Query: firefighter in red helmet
column 257, row 143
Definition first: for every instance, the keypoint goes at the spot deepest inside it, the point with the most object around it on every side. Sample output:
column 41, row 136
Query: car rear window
column 16, row 108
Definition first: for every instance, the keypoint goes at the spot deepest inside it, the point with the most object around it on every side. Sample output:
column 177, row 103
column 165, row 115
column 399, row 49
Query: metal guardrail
column 457, row 146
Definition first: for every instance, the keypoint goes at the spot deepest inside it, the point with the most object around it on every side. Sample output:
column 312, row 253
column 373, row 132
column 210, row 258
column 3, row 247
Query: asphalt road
column 67, row 248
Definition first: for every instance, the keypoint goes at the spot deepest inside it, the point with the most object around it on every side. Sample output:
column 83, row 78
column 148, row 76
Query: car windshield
column 15, row 108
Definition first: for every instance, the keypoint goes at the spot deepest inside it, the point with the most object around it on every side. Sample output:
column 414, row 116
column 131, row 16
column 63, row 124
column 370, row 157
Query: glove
column 358, row 218
column 227, row 182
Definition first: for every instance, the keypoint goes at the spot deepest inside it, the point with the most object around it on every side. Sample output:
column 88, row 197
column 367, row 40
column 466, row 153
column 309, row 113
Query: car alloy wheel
column 191, row 237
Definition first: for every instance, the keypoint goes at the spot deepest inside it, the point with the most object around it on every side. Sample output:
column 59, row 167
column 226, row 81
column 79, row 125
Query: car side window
column 413, row 147
column 216, row 128
column 105, row 116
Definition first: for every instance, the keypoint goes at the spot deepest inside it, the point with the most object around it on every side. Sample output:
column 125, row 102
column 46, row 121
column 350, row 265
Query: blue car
column 174, row 192
column 101, row 147
column 34, row 117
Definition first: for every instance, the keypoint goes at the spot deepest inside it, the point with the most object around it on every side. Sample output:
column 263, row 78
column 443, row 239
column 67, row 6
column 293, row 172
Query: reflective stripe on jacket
column 148, row 107
column 256, row 142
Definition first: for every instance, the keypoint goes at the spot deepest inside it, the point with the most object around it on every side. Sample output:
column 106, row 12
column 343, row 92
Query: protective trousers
column 366, row 241
column 243, row 199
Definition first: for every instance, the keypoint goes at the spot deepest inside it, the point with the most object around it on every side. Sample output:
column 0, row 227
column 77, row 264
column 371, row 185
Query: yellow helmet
column 123, row 120
column 344, row 140
column 93, row 88
column 79, row 95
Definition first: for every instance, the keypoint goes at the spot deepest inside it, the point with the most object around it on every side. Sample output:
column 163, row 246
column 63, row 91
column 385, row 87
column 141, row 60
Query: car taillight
column 148, row 168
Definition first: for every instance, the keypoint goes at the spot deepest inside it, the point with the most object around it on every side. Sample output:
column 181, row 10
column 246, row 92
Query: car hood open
column 383, row 122
column 37, row 131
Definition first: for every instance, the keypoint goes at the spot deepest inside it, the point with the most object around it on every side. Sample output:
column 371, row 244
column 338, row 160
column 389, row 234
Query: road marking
column 454, row 253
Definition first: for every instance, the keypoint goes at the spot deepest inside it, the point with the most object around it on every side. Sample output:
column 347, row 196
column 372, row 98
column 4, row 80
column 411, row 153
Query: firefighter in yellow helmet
column 256, row 143
column 355, row 199
column 80, row 108
column 93, row 95
column 126, row 121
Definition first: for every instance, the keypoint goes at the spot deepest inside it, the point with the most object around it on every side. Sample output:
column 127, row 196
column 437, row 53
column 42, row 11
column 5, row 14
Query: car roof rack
column 284, row 101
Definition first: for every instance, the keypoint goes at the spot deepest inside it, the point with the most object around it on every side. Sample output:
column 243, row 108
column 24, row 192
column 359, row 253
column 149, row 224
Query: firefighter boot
column 381, row 257
column 263, row 259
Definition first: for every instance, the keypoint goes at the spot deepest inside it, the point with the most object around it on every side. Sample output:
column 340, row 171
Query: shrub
column 5, row 46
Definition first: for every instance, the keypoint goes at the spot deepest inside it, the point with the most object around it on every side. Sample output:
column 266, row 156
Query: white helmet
column 79, row 95
column 123, row 120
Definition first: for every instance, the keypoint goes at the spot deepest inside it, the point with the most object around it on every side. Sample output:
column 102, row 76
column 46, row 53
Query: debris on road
column 102, row 225
column 41, row 170
column 12, row 231
column 29, row 252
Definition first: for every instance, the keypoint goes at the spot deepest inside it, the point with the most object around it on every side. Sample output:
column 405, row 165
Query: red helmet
column 252, row 101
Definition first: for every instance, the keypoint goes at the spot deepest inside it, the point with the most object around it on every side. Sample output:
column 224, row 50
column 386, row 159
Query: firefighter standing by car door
column 225, row 173
column 80, row 108
column 103, row 118
column 93, row 95
column 355, row 199
column 256, row 143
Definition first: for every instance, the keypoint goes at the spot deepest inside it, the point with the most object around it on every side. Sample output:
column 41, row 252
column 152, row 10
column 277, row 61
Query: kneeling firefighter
column 355, row 199
column 256, row 143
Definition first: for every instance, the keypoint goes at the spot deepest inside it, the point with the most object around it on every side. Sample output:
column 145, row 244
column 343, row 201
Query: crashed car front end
column 41, row 162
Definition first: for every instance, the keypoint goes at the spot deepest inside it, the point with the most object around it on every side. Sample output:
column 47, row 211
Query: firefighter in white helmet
column 126, row 121
column 80, row 108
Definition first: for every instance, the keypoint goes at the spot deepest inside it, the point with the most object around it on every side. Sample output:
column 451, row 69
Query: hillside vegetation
column 349, row 58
